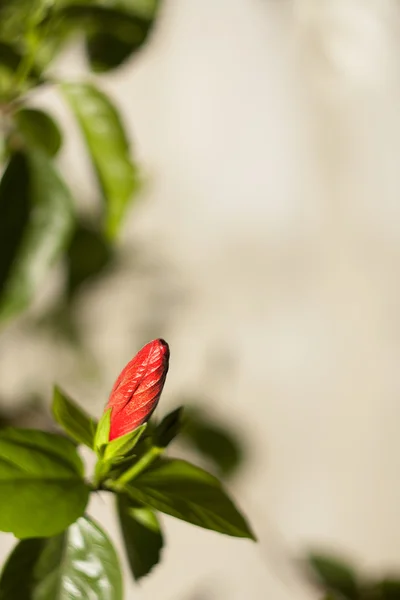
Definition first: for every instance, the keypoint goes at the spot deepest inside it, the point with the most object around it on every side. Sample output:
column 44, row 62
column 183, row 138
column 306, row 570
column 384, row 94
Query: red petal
column 138, row 388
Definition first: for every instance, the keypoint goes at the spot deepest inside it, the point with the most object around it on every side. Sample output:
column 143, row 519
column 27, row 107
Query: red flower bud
column 138, row 388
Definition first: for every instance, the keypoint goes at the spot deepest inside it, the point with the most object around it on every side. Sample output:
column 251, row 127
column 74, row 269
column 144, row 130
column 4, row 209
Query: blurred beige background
column 266, row 249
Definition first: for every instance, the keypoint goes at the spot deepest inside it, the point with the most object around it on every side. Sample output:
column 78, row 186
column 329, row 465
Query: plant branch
column 146, row 460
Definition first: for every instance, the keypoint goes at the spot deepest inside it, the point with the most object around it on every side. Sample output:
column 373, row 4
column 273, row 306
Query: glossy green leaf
column 123, row 445
column 335, row 575
column 108, row 147
column 142, row 535
column 187, row 492
column 38, row 130
column 74, row 420
column 37, row 218
column 102, row 435
column 39, row 470
column 78, row 564
column 168, row 429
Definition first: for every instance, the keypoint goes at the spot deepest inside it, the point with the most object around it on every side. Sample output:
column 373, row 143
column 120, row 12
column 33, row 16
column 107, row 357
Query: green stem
column 25, row 66
column 33, row 40
column 100, row 473
column 146, row 460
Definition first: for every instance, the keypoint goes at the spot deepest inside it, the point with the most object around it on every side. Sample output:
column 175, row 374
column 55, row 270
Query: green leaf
column 108, row 147
column 38, row 130
column 22, row 559
column 42, row 490
column 9, row 56
column 123, row 445
column 15, row 210
column 37, row 217
column 102, row 435
column 118, row 34
column 335, row 575
column 10, row 60
column 213, row 440
column 75, row 421
column 80, row 563
column 142, row 536
column 169, row 428
column 144, row 8
column 187, row 492
column 389, row 589
column 119, row 18
column 106, row 51
column 114, row 33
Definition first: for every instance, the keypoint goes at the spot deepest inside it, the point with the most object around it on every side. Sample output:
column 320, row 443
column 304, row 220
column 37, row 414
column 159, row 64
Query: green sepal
column 102, row 436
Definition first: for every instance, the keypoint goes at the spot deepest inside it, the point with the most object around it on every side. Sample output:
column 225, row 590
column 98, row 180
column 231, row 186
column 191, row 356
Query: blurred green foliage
column 335, row 575
column 340, row 580
column 38, row 216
